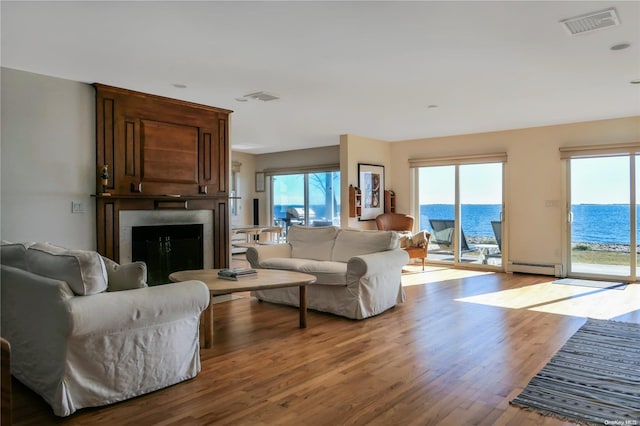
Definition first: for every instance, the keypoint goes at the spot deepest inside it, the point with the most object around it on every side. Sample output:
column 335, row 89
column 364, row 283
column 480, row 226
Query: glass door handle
column 570, row 217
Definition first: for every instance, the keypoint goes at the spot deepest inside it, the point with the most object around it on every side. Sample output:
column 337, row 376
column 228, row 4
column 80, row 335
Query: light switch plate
column 77, row 207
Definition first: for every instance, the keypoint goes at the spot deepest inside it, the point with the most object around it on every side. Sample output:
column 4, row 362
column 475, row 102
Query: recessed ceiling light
column 635, row 81
column 241, row 99
column 619, row 46
column 179, row 86
column 262, row 96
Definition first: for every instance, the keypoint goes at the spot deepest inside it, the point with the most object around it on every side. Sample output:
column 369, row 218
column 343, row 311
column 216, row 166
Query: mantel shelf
column 159, row 197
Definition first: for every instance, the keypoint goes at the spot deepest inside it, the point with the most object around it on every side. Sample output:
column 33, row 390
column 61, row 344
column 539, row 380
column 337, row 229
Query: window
column 307, row 199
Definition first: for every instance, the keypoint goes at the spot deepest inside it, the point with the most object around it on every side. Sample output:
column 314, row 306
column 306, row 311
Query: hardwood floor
column 462, row 346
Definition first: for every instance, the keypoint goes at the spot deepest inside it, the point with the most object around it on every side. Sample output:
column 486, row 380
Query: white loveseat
column 79, row 342
column 358, row 272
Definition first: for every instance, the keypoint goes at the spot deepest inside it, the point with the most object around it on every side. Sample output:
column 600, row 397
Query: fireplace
column 166, row 249
column 163, row 156
column 130, row 220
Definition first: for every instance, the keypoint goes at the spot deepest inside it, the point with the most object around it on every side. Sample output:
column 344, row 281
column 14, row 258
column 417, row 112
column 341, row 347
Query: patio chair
column 295, row 216
column 442, row 234
column 497, row 232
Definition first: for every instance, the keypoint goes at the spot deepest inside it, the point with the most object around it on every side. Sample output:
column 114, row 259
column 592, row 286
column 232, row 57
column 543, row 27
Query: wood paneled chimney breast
column 160, row 150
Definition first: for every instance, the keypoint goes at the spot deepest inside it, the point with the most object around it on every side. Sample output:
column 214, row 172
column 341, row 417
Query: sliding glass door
column 307, row 199
column 461, row 206
column 481, row 213
column 601, row 223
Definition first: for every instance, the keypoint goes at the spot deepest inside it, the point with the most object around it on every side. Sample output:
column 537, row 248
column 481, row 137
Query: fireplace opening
column 166, row 249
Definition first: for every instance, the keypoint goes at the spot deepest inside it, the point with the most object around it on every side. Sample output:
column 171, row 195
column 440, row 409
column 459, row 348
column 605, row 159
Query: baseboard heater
column 536, row 268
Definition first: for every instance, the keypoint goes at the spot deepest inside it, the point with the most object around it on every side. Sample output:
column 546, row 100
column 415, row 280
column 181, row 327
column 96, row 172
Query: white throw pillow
column 420, row 239
column 125, row 277
column 82, row 270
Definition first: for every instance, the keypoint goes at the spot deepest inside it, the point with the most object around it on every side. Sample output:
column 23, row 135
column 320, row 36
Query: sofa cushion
column 82, row 270
column 125, row 277
column 312, row 243
column 286, row 263
column 14, row 254
column 351, row 243
column 326, row 272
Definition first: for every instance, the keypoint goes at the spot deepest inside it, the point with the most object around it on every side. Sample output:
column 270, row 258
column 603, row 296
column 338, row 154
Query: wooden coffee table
column 266, row 279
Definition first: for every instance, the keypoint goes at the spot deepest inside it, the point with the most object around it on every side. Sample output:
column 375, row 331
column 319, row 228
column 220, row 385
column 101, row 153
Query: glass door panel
column 324, row 199
column 437, row 210
column 481, row 213
column 600, row 226
column 288, row 200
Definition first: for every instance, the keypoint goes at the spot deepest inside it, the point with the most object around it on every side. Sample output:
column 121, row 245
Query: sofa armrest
column 255, row 255
column 132, row 309
column 376, row 263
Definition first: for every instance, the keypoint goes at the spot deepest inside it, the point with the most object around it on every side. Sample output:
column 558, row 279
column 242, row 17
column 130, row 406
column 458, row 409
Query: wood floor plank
column 462, row 346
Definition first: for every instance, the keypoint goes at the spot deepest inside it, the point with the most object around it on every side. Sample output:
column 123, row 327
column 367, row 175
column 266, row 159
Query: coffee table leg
column 208, row 325
column 303, row 306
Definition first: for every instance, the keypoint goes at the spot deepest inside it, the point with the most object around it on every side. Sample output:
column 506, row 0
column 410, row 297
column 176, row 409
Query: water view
column 592, row 223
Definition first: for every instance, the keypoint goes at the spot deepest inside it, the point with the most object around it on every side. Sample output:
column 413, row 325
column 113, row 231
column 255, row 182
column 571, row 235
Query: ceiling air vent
column 591, row 21
column 262, row 96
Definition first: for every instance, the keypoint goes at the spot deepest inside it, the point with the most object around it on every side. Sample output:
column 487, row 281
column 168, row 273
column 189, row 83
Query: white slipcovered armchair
column 86, row 332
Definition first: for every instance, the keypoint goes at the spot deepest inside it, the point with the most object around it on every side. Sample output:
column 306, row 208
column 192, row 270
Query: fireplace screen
column 166, row 249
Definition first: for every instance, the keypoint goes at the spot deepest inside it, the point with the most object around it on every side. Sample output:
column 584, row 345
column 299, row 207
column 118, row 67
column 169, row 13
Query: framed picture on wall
column 259, row 181
column 371, row 183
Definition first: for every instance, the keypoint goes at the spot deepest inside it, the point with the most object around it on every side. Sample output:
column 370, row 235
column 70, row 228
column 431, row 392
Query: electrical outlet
column 77, row 207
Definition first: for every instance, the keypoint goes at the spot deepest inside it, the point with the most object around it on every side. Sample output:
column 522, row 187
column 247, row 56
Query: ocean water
column 592, row 223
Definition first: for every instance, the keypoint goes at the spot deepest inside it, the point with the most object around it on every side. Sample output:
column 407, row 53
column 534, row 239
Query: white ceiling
column 365, row 68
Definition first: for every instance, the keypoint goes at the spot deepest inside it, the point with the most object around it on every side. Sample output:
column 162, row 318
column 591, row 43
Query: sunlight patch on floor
column 414, row 275
column 564, row 300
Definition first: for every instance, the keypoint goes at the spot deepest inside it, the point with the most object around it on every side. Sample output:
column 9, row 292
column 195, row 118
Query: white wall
column 354, row 150
column 47, row 154
column 245, row 187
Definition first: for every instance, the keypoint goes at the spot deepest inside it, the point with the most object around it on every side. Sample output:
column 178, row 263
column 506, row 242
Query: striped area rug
column 594, row 379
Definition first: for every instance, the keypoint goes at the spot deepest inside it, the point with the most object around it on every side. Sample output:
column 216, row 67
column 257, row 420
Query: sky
column 594, row 181
column 289, row 189
column 479, row 184
column 600, row 180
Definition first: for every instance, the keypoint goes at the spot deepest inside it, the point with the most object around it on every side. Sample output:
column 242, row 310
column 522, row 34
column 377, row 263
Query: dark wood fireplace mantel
column 161, row 154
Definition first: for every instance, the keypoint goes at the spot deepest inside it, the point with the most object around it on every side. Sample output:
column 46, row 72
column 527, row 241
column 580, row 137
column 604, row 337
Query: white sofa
column 358, row 272
column 87, row 332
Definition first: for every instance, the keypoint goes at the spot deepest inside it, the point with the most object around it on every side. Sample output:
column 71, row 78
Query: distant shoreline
column 619, row 248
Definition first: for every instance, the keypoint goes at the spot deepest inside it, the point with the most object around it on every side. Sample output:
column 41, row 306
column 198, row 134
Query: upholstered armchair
column 416, row 245
column 85, row 331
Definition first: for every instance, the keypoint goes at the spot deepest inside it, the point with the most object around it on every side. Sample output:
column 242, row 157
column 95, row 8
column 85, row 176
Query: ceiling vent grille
column 262, row 96
column 591, row 21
